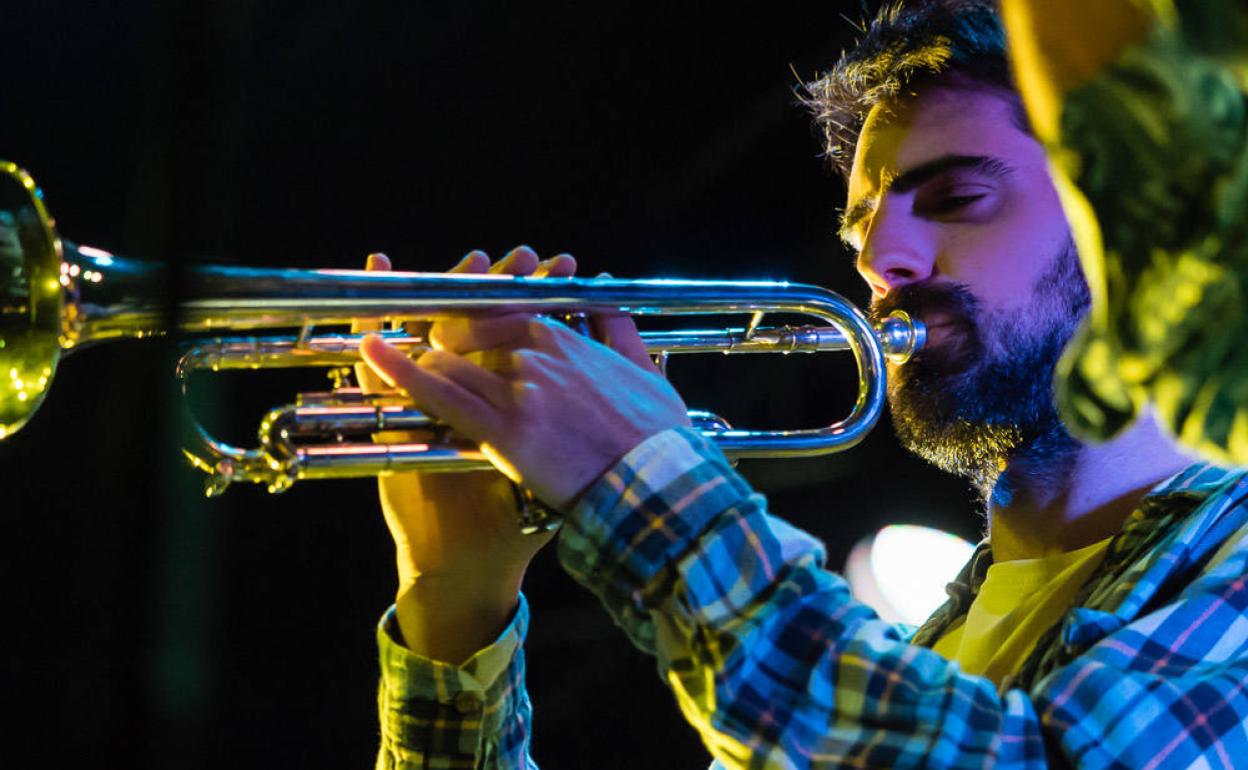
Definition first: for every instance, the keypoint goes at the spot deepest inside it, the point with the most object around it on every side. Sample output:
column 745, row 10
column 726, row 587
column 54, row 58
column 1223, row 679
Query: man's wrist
column 648, row 508
column 449, row 618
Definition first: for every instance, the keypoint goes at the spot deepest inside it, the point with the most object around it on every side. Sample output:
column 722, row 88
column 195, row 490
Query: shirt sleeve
column 1153, row 170
column 436, row 716
column 776, row 666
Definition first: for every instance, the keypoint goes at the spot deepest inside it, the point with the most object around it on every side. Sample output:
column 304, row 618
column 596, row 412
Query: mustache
column 953, row 302
column 953, row 306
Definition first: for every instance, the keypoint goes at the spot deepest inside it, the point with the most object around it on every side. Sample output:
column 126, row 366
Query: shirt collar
column 1176, row 497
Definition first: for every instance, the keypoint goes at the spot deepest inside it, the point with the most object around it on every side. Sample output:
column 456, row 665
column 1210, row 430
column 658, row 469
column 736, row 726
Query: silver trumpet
column 56, row 296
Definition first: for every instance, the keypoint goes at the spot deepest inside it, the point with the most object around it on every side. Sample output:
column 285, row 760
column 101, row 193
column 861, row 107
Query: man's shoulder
column 1174, row 535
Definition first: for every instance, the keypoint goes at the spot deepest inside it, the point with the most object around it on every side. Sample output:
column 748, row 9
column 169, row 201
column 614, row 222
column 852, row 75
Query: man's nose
column 895, row 253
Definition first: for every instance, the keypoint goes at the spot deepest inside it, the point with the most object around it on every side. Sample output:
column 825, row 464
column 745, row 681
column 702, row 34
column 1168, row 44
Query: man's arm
column 777, row 666
column 474, row 714
column 452, row 690
column 452, row 664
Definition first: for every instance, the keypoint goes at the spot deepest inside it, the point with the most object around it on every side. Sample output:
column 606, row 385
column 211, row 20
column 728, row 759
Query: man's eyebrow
column 905, row 182
column 851, row 218
column 983, row 164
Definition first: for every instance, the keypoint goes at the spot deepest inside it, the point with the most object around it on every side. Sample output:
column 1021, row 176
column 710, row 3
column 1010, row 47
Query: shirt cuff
column 423, row 701
column 644, row 513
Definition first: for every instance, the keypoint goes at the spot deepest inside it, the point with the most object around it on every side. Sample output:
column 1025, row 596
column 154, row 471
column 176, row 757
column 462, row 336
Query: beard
column 982, row 399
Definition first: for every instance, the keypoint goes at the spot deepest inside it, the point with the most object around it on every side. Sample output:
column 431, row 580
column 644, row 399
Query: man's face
column 954, row 218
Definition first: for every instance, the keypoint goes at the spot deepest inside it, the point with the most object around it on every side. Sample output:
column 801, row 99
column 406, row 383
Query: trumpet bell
column 31, row 299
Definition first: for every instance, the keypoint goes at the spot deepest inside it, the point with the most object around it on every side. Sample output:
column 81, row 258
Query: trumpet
column 57, row 296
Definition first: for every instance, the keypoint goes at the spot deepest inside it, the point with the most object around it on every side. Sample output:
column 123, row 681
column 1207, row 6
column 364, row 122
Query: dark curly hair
column 906, row 46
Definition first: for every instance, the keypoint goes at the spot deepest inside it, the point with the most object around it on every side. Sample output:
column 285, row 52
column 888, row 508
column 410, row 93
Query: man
column 1101, row 624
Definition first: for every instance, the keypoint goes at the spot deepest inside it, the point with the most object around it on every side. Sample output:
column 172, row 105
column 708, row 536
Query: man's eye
column 950, row 203
column 955, row 201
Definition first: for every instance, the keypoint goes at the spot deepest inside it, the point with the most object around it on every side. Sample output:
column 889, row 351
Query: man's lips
column 940, row 327
column 934, row 319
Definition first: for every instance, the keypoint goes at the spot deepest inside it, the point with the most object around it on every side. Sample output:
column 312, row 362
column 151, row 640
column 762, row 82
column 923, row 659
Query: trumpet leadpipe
column 898, row 337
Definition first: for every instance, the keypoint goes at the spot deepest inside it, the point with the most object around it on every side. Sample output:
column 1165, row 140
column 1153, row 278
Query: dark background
column 144, row 626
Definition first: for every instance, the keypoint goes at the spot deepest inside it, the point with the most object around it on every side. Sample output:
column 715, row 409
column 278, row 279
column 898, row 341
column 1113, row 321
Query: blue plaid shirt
column 778, row 667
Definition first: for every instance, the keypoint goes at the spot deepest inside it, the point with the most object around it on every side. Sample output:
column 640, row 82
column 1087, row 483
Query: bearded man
column 1102, row 623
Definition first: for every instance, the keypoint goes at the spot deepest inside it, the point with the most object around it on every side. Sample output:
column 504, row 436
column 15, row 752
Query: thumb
column 364, row 375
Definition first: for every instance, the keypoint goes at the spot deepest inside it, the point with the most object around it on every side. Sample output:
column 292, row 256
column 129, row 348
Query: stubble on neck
column 1084, row 499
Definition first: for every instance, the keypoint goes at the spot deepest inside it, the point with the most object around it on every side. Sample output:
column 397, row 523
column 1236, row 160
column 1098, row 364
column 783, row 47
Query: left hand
column 552, row 409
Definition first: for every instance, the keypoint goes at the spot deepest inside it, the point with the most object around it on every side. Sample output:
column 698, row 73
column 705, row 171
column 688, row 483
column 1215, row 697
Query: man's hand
column 551, row 408
column 459, row 550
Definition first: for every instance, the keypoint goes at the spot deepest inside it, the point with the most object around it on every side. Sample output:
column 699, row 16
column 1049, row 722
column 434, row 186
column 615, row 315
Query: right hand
column 459, row 551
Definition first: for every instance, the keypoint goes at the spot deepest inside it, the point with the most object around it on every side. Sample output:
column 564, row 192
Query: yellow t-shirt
column 1018, row 601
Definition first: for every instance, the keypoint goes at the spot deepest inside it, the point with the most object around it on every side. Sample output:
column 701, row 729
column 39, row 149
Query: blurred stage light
column 901, row 571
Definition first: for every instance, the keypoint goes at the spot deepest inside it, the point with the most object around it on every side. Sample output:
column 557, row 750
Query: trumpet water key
column 56, row 296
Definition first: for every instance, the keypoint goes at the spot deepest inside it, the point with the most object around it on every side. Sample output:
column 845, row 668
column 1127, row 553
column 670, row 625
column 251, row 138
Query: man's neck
column 1087, row 501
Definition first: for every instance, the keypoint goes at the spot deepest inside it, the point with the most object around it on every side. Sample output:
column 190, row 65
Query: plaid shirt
column 778, row 667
